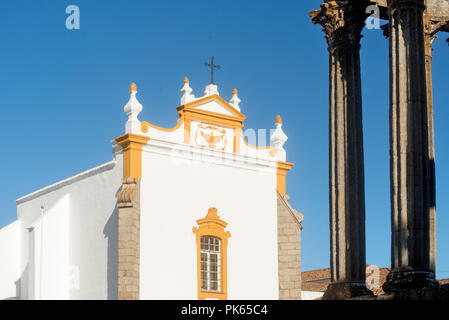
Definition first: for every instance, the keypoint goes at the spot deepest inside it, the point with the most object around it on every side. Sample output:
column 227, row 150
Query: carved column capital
column 341, row 23
column 431, row 28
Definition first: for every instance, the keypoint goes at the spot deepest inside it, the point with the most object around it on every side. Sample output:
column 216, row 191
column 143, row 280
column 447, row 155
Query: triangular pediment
column 213, row 104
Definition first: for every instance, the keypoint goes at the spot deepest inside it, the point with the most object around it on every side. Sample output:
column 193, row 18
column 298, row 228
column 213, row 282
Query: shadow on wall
column 18, row 284
column 110, row 231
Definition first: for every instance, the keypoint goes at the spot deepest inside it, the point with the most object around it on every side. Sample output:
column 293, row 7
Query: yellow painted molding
column 189, row 112
column 219, row 99
column 281, row 174
column 187, row 126
column 256, row 147
column 144, row 126
column 132, row 154
column 210, row 117
column 213, row 226
column 237, row 135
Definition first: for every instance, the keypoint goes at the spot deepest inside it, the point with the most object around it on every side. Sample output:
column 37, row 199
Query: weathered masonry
column 412, row 26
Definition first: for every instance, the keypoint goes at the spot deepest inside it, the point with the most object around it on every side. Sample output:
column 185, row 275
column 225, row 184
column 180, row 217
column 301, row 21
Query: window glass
column 210, row 263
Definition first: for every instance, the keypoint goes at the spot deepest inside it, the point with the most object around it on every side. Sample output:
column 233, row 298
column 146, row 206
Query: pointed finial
column 186, row 92
column 132, row 109
column 278, row 120
column 278, row 139
column 235, row 100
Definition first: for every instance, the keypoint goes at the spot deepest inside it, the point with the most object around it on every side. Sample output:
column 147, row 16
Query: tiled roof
column 315, row 280
column 318, row 280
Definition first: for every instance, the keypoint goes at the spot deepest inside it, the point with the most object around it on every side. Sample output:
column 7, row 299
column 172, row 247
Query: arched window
column 212, row 243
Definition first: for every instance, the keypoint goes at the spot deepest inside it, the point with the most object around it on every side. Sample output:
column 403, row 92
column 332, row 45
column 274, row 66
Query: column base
column 412, row 285
column 346, row 290
column 444, row 292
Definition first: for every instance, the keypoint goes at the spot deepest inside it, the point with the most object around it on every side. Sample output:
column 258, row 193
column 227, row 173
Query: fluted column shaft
column 410, row 173
column 346, row 165
column 429, row 36
column 343, row 26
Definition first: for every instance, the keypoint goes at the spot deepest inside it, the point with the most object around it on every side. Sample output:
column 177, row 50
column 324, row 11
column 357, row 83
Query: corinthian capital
column 341, row 22
column 433, row 25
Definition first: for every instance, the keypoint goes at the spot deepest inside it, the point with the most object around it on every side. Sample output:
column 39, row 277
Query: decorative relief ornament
column 341, row 23
column 210, row 137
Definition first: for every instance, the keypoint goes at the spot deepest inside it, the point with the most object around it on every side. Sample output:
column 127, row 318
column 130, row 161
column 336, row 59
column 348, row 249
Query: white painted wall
column 75, row 242
column 175, row 192
column 10, row 261
column 49, row 251
column 311, row 295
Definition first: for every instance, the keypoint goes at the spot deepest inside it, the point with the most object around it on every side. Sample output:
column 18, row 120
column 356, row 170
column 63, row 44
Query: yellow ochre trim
column 144, row 126
column 219, row 99
column 187, row 125
column 281, row 174
column 213, row 226
column 132, row 154
column 278, row 120
column 237, row 135
column 211, row 117
column 256, row 147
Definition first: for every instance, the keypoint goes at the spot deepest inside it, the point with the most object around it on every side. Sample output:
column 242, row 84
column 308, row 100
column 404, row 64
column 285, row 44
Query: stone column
column 429, row 36
column 411, row 275
column 431, row 28
column 343, row 25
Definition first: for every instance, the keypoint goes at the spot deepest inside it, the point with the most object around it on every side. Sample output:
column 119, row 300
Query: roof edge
column 65, row 182
column 299, row 217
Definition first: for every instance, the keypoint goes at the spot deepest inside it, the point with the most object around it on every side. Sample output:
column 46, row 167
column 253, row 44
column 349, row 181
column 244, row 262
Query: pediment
column 213, row 104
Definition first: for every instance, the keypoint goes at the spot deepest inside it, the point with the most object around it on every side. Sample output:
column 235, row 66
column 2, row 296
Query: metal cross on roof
column 212, row 66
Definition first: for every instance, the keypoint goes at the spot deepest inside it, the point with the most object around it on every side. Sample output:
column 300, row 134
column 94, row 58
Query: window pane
column 210, row 263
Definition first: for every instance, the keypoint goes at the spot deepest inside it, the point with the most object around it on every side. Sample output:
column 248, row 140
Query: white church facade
column 191, row 212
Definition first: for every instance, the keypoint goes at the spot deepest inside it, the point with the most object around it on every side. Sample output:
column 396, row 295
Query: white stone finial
column 211, row 89
column 186, row 92
column 235, row 100
column 132, row 109
column 278, row 139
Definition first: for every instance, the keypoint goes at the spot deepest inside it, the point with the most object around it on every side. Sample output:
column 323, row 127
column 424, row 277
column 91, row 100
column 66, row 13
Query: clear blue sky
column 63, row 92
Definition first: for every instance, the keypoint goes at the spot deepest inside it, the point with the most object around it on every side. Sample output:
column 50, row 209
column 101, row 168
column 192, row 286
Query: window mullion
column 208, row 271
